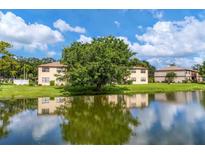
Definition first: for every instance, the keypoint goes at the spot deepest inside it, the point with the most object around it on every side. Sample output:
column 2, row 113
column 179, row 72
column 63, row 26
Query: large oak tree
column 103, row 61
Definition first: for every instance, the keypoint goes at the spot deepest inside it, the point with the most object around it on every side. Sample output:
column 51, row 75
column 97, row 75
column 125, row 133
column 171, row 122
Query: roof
column 54, row 64
column 139, row 67
column 173, row 68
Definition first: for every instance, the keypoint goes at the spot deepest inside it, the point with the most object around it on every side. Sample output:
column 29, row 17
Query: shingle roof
column 139, row 67
column 54, row 64
column 174, row 68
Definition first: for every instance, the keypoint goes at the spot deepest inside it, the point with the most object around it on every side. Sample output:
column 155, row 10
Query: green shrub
column 129, row 82
column 52, row 83
column 31, row 83
column 151, row 80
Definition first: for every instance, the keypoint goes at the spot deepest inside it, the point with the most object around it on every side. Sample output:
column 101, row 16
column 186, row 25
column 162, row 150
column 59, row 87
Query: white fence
column 20, row 82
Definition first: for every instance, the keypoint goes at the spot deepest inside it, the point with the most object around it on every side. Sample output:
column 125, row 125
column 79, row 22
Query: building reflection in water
column 179, row 97
column 47, row 105
column 131, row 101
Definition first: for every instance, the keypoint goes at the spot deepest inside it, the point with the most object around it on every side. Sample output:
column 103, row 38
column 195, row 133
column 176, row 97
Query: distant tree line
column 103, row 61
column 12, row 66
column 200, row 68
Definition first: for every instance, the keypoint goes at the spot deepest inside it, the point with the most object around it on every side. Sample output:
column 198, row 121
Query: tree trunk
column 98, row 87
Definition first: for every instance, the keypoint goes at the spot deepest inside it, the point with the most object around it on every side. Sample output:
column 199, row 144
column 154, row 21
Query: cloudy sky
column 159, row 36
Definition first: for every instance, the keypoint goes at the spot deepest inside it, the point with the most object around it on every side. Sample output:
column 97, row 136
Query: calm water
column 165, row 118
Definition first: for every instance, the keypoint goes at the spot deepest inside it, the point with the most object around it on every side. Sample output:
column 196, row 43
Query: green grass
column 162, row 87
column 12, row 91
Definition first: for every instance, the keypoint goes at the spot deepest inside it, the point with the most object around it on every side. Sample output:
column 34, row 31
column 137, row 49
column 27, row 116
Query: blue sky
column 159, row 36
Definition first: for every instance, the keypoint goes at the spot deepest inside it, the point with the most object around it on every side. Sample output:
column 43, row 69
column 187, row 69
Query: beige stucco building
column 139, row 75
column 50, row 72
column 182, row 74
column 131, row 101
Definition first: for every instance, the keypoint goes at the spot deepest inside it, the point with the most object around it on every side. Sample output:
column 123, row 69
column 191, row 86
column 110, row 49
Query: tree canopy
column 12, row 66
column 96, row 121
column 103, row 61
column 200, row 68
column 170, row 77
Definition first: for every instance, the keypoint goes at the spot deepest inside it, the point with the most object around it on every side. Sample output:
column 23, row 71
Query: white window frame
column 143, row 79
column 45, row 79
column 45, row 69
column 143, row 71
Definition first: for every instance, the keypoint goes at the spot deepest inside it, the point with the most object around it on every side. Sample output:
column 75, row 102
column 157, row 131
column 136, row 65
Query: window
column 45, row 79
column 45, row 100
column 45, row 111
column 132, row 71
column 60, row 70
column 143, row 79
column 45, row 69
column 143, row 71
column 60, row 100
column 133, row 79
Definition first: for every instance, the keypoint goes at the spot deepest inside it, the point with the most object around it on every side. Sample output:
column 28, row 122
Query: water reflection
column 179, row 119
column 48, row 105
column 164, row 118
column 96, row 121
column 179, row 97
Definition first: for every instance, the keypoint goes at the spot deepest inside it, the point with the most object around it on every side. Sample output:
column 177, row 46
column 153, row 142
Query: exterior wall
column 51, row 75
column 138, row 100
column 178, row 97
column 199, row 78
column 181, row 76
column 49, row 106
column 136, row 76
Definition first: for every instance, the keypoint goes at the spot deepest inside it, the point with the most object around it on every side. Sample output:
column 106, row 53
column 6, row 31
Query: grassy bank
column 12, row 91
column 146, row 88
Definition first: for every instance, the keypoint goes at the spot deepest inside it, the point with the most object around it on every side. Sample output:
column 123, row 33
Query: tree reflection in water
column 10, row 108
column 96, row 121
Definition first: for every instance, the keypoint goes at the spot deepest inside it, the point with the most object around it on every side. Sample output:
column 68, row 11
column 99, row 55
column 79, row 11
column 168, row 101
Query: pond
column 161, row 118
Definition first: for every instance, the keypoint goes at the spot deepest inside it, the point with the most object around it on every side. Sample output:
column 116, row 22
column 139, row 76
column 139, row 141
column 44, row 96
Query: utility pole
column 24, row 71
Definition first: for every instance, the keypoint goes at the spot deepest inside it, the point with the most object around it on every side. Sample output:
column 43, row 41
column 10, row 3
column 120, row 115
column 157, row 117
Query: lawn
column 13, row 91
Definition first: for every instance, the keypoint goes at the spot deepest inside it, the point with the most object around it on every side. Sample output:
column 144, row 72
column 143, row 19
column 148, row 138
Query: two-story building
column 182, row 74
column 139, row 75
column 51, row 72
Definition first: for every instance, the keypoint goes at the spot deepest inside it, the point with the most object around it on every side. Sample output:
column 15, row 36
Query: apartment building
column 50, row 72
column 139, row 75
column 182, row 74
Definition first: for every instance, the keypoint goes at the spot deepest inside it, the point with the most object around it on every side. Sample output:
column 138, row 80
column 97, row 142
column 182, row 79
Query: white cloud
column 181, row 42
column 38, row 126
column 51, row 53
column 117, row 23
column 157, row 14
column 140, row 27
column 63, row 26
column 176, row 122
column 27, row 36
column 84, row 39
column 177, row 39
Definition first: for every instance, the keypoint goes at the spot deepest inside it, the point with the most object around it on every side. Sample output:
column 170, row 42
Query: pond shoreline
column 13, row 91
